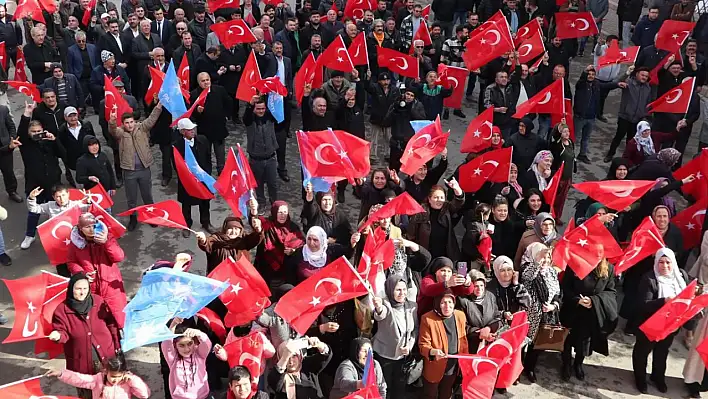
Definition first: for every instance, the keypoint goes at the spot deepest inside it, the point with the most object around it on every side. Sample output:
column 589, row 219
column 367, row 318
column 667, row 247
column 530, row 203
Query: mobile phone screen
column 462, row 268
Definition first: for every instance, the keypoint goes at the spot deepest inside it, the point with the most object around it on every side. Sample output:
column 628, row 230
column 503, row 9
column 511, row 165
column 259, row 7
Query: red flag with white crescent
column 115, row 227
column 156, row 78
column 672, row 34
column 309, row 73
column 421, row 34
column 358, row 51
column 183, row 75
column 55, row 235
column 532, row 28
column 585, row 246
column 690, row 223
column 166, row 213
column 334, row 153
column 492, row 166
column 397, row 62
column 26, row 88
column 451, row 77
column 646, row 240
column 675, row 313
column 29, row 9
column 233, row 32
column 531, row 47
column 251, row 74
column 571, row 25
column 506, row 351
column 487, row 42
column 615, row 194
column 548, row 100
column 427, row 143
column 355, row 8
column 96, row 193
column 676, row 100
column 402, row 204
column 697, row 167
column 478, row 136
column 551, row 191
column 114, row 101
column 248, row 351
column 20, row 72
column 336, row 57
column 479, row 375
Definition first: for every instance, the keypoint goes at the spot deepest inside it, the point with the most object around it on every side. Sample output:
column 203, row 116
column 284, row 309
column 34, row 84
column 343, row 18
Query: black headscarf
column 80, row 307
column 390, row 287
column 357, row 343
column 438, row 299
column 438, row 263
column 616, row 163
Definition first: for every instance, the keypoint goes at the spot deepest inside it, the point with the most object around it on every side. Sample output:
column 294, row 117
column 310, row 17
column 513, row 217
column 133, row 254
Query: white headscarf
column 498, row 263
column 644, row 144
column 673, row 284
column 319, row 258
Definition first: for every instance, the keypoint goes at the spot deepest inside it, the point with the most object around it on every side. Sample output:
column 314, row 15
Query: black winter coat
column 51, row 120
column 400, row 119
column 381, row 101
column 41, row 159
column 202, row 153
column 36, row 56
column 312, row 122
column 212, row 121
column 227, row 57
column 335, row 224
column 75, row 147
column 95, row 165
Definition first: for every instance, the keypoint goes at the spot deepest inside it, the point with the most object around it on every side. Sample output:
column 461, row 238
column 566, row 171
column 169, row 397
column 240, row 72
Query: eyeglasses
column 181, row 28
column 81, row 41
column 418, row 46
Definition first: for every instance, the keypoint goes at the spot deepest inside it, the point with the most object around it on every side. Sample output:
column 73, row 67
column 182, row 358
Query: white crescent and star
column 546, row 99
column 318, row 153
column 497, row 37
column 454, row 79
column 527, row 45
column 631, row 254
column 476, row 362
column 234, row 27
column 504, row 344
column 248, row 356
column 585, row 21
column 57, row 226
column 336, row 282
column 26, row 332
column 699, row 213
column 679, row 93
column 525, row 30
column 404, row 63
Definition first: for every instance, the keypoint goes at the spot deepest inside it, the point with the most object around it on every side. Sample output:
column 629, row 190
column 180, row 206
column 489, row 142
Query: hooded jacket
column 75, row 146
column 94, row 165
column 526, row 146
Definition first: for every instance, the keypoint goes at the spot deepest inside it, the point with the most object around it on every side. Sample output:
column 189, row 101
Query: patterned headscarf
column 645, row 145
column 541, row 177
column 669, row 156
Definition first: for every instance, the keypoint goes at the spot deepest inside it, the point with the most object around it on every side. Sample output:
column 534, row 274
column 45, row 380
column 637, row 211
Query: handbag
column 550, row 337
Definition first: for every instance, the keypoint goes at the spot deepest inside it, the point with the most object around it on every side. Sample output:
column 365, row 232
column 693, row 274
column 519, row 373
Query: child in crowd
column 186, row 356
column 93, row 167
column 241, row 385
column 115, row 381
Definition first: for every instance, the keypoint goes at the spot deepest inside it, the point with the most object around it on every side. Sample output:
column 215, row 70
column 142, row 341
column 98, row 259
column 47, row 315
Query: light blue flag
column 147, row 323
column 170, row 94
column 276, row 107
column 417, row 125
column 319, row 184
column 197, row 170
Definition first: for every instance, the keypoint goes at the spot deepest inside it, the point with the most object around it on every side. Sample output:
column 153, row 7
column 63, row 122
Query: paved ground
column 609, row 377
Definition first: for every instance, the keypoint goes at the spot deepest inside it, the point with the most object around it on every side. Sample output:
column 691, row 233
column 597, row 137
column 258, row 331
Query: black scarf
column 80, row 307
column 354, row 354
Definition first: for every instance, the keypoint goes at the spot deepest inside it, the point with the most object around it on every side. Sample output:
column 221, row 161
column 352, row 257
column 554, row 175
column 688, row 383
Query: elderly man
column 212, row 116
column 40, row 55
column 82, row 59
column 71, row 135
column 66, row 86
column 142, row 47
column 107, row 68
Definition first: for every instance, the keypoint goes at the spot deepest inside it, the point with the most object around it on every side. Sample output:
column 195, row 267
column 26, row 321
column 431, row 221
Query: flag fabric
column 191, row 182
column 236, row 182
column 146, row 323
column 29, row 89
column 3, row 55
column 355, row 8
column 698, row 167
column 571, row 25
column 531, row 47
column 247, row 294
column 532, row 28
column 183, row 74
column 702, row 350
column 357, row 49
column 248, row 351
column 421, row 34
column 506, row 351
column 29, row 388
column 426, row 12
column 420, row 124
column 672, row 34
column 171, row 95
column 551, row 191
column 250, row 75
column 646, row 240
column 479, row 375
column 233, row 32
column 55, row 293
column 427, row 143
column 377, row 256
column 690, row 222
column 55, row 235
column 276, row 106
column 675, row 313
column 487, row 42
column 451, row 77
column 96, row 193
column 49, row 6
column 583, row 247
column 200, row 101
column 547, row 101
column 166, row 213
column 654, row 73
column 369, row 391
column 334, row 153
column 567, row 114
column 197, row 170
column 675, row 100
column 319, row 184
column 114, row 101
column 369, row 375
column 478, row 136
column 614, row 55
column 29, row 9
column 156, row 78
column 337, row 282
column 271, row 85
column 402, row 204
column 309, row 73
column 397, row 62
column 336, row 57
column 492, row 166
column 214, row 322
column 86, row 18
column 116, row 229
column 20, row 72
column 615, row 194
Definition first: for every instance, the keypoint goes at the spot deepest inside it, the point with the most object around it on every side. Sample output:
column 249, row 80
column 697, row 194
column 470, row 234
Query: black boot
column 578, row 366
column 133, row 223
column 660, row 383
column 565, row 368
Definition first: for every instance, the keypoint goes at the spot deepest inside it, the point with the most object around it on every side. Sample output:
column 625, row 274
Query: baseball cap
column 105, row 16
column 185, row 123
column 70, row 110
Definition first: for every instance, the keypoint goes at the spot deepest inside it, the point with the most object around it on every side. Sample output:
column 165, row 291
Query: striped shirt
column 451, row 53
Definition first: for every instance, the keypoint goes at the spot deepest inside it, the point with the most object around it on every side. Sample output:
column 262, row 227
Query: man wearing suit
column 284, row 71
column 161, row 132
column 162, row 27
column 514, row 16
column 212, row 116
column 233, row 59
column 115, row 43
column 82, row 59
column 142, row 54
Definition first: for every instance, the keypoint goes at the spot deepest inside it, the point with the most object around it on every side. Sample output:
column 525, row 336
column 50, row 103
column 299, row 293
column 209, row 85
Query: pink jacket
column 136, row 387
column 186, row 388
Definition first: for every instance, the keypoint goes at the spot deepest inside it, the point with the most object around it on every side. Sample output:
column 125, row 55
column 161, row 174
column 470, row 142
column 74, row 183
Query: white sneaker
column 27, row 242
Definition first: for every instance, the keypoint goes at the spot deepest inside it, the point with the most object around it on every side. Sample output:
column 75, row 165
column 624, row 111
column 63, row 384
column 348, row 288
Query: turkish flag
column 615, row 194
column 248, row 351
column 487, row 42
column 551, row 191
column 30, row 9
column 233, row 32
column 55, row 233
column 397, row 62
column 690, row 222
column 309, row 73
column 235, row 180
column 191, row 184
column 214, row 322
column 614, row 55
column 423, row 146
column 654, row 73
column 27, row 389
column 426, row 12
column 676, row 100
column 166, row 213
column 49, row 6
column 114, row 101
column 28, row 297
column 271, row 85
column 402, row 204
column 454, row 78
column 54, row 295
column 506, row 351
column 548, row 100
column 96, row 193
column 583, row 247
column 672, row 34
column 183, row 77
column 646, row 240
column 217, row 4
column 377, row 256
column 702, row 350
column 368, row 392
column 532, row 28
column 334, row 153
column 479, row 375
column 20, row 72
column 3, row 56
column 492, row 166
column 337, row 282
column 116, row 229
column 336, row 57
column 248, row 294
column 26, row 88
column 567, row 114
column 355, row 8
column 156, row 79
column 251, row 74
column 478, row 136
column 675, row 313
column 531, row 47
column 358, row 51
column 86, row 19
column 421, row 34
column 571, row 25
column 698, row 167
column 200, row 101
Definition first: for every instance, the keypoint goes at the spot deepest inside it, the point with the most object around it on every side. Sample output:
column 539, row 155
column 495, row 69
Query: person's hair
column 48, row 89
column 34, row 122
column 276, row 42
column 116, row 365
column 220, row 19
column 260, row 100
column 132, row 14
column 212, row 50
column 388, row 193
column 239, row 373
column 378, row 170
column 499, row 200
column 434, row 188
column 691, row 40
column 480, row 210
column 187, row 32
column 35, row 30
column 469, row 14
column 315, row 12
column 291, row 19
column 642, row 69
column 611, row 37
column 603, row 269
column 459, row 29
column 80, row 35
column 59, row 187
column 268, row 7
column 417, row 6
column 113, row 21
column 126, row 116
column 655, row 6
column 316, row 35
column 435, row 25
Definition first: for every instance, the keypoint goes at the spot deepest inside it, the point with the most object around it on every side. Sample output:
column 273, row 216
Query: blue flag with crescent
column 170, row 94
column 417, row 125
column 197, row 170
column 146, row 323
column 276, row 107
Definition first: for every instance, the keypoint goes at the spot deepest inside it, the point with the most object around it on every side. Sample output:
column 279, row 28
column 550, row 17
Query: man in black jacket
column 40, row 55
column 500, row 96
column 10, row 33
column 66, row 86
column 207, row 62
column 400, row 115
column 142, row 47
column 383, row 96
column 211, row 117
column 8, row 143
column 199, row 27
column 262, row 146
column 283, row 70
column 233, row 59
column 316, row 113
column 71, row 135
column 192, row 51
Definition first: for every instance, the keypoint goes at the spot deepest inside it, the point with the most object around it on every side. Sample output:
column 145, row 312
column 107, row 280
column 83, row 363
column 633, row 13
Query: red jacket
column 429, row 289
column 100, row 261
column 78, row 334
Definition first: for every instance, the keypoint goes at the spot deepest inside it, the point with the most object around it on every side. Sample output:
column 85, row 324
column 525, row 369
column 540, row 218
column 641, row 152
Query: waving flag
column 250, row 351
column 96, row 193
column 236, row 182
column 20, row 72
column 451, row 77
column 567, row 114
column 551, row 191
column 547, row 101
column 675, row 100
column 197, row 170
column 698, row 167
column 403, row 204
column 271, row 85
column 55, row 235
column 166, row 213
column 3, row 56
column 191, row 182
column 615, row 56
column 156, row 78
column 146, row 323
column 29, row 388
column 487, row 42
column 492, row 166
column 531, row 47
column 276, row 106
column 369, row 391
column 397, row 62
column 571, row 25
column 309, row 73
column 675, row 313
column 369, row 375
column 214, row 322
column 355, row 8
column 506, row 351
column 479, row 375
column 199, row 102
column 26, row 88
column 423, row 146
column 247, row 294
column 646, row 240
column 478, row 136
column 49, row 6
column 114, row 102
column 29, row 9
column 583, row 247
column 116, row 229
column 336, row 57
column 672, row 34
column 358, row 51
column 690, row 222
column 334, row 154
column 86, row 19
column 54, row 295
column 615, row 194
column 532, row 28
column 170, row 94
column 420, row 124
column 183, row 73
column 233, row 32
column 421, row 34
column 377, row 256
column 250, row 75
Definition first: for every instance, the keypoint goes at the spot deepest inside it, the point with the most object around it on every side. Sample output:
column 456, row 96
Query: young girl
column 186, row 356
column 114, row 382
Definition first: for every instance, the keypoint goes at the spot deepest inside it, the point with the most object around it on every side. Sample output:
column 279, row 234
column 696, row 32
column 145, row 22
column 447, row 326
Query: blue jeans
column 544, row 126
column 459, row 18
column 583, row 129
column 2, row 243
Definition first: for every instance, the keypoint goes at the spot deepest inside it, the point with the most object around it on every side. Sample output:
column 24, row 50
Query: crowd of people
column 441, row 296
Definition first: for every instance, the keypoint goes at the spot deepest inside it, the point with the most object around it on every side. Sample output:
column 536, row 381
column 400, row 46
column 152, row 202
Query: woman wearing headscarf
column 397, row 320
column 607, row 218
column 281, row 238
column 317, row 252
column 541, row 279
column 655, row 289
column 295, row 375
column 230, row 241
column 641, row 146
column 483, row 316
column 440, row 276
column 511, row 295
column 657, row 166
column 321, row 210
column 477, row 243
column 544, row 231
column 539, row 174
column 694, row 370
column 563, row 151
column 442, row 333
column 531, row 205
column 85, row 326
column 590, row 312
column 511, row 190
column 350, row 373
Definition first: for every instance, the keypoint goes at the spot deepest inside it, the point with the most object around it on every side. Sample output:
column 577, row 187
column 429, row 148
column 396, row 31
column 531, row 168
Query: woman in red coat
column 441, row 276
column 96, row 253
column 86, row 327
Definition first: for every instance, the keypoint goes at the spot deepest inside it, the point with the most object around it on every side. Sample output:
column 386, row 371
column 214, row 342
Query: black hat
column 384, row 76
column 337, row 73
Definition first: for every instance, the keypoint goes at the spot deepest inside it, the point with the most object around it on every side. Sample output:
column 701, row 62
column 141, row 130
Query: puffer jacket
column 95, row 165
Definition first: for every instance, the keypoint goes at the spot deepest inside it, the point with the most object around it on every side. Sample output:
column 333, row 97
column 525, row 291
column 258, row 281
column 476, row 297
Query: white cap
column 105, row 15
column 185, row 123
column 70, row 110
